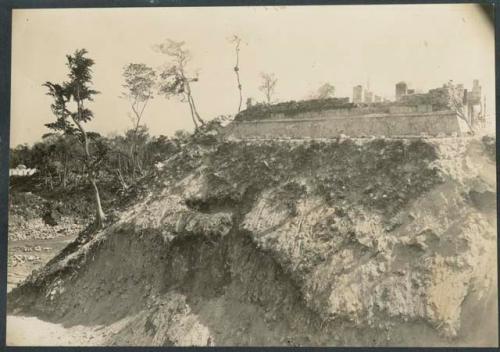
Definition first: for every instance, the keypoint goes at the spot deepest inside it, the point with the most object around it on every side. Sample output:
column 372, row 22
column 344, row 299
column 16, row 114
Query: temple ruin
column 431, row 114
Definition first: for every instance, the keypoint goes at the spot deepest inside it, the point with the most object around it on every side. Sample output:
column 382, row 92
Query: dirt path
column 31, row 331
column 24, row 257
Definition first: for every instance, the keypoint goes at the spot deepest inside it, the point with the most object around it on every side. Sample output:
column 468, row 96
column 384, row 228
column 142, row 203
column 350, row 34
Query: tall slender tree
column 175, row 79
column 236, row 40
column 69, row 107
column 139, row 83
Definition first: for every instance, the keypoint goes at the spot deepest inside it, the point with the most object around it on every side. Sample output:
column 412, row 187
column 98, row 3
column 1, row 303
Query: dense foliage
column 58, row 159
column 241, row 167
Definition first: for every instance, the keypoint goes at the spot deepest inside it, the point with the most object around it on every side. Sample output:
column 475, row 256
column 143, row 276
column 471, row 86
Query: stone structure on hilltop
column 444, row 111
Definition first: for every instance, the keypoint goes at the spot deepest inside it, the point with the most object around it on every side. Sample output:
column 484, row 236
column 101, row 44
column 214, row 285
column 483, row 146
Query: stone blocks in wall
column 417, row 124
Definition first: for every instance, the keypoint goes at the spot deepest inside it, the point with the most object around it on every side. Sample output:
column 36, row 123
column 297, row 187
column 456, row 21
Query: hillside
column 318, row 243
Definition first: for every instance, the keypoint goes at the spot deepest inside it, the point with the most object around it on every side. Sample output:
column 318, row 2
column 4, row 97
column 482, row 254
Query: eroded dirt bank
column 372, row 242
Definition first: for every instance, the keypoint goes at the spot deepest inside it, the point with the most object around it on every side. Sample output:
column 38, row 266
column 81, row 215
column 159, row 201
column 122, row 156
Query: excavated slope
column 368, row 242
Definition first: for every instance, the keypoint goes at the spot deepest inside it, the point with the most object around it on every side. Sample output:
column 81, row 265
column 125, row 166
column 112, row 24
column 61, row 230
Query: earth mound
column 317, row 243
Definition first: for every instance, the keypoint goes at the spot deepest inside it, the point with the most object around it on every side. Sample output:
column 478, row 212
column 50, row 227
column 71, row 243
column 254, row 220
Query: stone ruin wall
column 354, row 112
column 321, row 125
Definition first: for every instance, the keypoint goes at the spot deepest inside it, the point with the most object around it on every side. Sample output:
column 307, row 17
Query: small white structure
column 21, row 170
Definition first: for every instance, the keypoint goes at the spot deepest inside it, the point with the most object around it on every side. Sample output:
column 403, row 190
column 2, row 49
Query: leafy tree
column 139, row 83
column 42, row 159
column 174, row 78
column 65, row 155
column 20, row 155
column 57, row 158
column 325, row 91
column 71, row 121
column 118, row 161
column 150, row 150
column 268, row 85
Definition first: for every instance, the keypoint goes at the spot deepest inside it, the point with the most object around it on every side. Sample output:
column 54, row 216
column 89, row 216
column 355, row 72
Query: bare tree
column 268, row 85
column 237, row 42
column 139, row 83
column 174, row 79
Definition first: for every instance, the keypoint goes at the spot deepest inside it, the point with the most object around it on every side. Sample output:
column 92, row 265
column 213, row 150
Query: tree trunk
column 192, row 113
column 138, row 116
column 464, row 118
column 192, row 105
column 132, row 158
column 237, row 72
column 139, row 167
column 120, row 177
column 65, row 171
column 200, row 120
column 100, row 218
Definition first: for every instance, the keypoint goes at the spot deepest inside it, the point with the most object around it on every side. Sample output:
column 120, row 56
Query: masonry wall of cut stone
column 353, row 112
column 435, row 123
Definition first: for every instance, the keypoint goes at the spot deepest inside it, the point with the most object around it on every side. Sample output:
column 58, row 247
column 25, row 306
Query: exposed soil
column 329, row 243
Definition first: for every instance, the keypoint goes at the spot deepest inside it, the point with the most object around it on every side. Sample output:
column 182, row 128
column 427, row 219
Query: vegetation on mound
column 380, row 174
column 292, row 108
column 320, row 253
column 71, row 201
column 383, row 174
column 437, row 98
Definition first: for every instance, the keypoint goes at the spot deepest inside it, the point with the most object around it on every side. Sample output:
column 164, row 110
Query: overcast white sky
column 304, row 46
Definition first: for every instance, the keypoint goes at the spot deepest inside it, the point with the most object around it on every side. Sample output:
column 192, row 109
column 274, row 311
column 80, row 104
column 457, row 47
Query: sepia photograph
column 313, row 175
